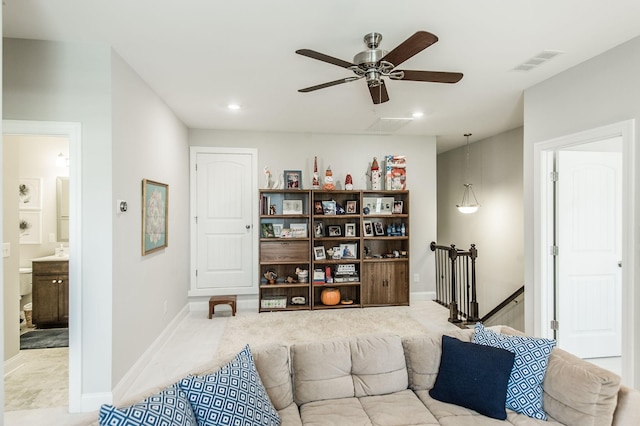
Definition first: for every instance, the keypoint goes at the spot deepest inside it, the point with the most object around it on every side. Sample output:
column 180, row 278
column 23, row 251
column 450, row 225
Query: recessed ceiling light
column 233, row 107
column 417, row 114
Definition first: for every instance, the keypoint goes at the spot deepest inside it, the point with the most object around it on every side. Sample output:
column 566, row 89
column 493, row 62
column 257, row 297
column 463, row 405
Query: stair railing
column 456, row 281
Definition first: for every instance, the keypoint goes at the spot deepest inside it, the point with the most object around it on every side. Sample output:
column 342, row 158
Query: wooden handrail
column 503, row 304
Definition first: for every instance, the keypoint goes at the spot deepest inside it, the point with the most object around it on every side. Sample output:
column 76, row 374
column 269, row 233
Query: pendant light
column 469, row 201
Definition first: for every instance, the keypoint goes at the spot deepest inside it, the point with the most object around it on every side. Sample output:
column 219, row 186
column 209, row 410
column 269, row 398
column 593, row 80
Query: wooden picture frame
column 318, row 229
column 398, row 207
column 352, row 207
column 155, row 216
column 293, row 179
column 317, row 207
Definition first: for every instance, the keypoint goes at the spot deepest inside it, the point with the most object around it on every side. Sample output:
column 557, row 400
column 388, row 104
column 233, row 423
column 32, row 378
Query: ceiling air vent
column 388, row 125
column 537, row 60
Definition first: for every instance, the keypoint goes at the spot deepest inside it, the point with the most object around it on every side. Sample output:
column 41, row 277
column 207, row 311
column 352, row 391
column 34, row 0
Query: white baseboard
column 93, row 401
column 129, row 378
column 423, row 296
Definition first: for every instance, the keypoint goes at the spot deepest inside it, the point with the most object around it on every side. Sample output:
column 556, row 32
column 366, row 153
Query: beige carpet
column 306, row 326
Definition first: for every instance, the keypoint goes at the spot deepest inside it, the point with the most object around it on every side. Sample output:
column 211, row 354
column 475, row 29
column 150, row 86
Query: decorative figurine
column 271, row 276
column 348, row 182
column 376, row 175
column 316, row 182
column 267, row 178
column 328, row 180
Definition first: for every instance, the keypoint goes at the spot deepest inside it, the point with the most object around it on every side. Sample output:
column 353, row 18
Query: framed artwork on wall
column 30, row 227
column 155, row 216
column 30, row 193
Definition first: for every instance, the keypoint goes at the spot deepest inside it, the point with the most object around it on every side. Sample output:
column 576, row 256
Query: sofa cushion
column 524, row 393
column 577, row 392
column 272, row 363
column 456, row 415
column 399, row 408
column 338, row 412
column 232, row 395
column 422, row 353
column 168, row 407
column 322, row 370
column 378, row 365
column 473, row 376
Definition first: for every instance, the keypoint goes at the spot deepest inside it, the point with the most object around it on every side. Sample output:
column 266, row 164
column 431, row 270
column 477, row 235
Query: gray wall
column 601, row 91
column 148, row 142
column 127, row 133
column 352, row 154
column 495, row 170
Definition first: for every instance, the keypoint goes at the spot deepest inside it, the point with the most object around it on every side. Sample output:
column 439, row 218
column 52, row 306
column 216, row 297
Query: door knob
column 620, row 264
column 248, row 226
column 53, row 282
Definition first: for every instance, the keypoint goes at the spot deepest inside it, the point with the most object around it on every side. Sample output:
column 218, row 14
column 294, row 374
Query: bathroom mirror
column 62, row 192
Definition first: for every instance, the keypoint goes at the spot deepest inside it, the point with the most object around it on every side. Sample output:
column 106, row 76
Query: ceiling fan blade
column 324, row 58
column 379, row 93
column 329, row 84
column 414, row 44
column 432, row 76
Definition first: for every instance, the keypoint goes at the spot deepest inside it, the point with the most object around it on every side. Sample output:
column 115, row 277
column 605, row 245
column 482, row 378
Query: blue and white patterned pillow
column 168, row 407
column 233, row 395
column 524, row 391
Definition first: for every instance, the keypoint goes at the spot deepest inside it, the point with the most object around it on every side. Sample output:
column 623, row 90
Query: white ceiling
column 199, row 55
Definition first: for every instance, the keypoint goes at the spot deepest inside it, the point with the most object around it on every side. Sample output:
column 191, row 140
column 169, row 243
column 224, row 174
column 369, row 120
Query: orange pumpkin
column 330, row 296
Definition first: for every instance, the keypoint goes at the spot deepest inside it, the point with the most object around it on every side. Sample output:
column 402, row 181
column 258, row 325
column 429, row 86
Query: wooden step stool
column 222, row 300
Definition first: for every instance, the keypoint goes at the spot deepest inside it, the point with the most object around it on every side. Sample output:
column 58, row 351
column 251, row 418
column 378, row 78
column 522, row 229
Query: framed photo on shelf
column 298, row 230
column 293, row 179
column 329, row 207
column 318, row 253
column 268, row 230
column 397, row 207
column 317, row 207
column 368, row 228
column 335, row 231
column 349, row 251
column 291, row 206
column 337, row 254
column 318, row 229
column 352, row 207
column 277, row 229
column 378, row 205
column 155, row 210
column 349, row 229
column 378, row 228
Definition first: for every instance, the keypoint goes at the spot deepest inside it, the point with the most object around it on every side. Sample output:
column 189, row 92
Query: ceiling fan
column 373, row 64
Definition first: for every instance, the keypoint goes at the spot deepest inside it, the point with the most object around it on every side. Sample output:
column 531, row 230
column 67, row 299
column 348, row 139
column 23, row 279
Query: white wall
column 148, row 142
column 70, row 82
column 495, row 170
column 598, row 92
column 352, row 154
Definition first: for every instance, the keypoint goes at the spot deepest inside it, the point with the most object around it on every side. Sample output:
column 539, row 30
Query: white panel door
column 224, row 193
column 589, row 242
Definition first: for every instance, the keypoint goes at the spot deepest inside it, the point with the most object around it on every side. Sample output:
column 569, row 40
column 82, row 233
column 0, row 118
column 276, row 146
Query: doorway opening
column 72, row 132
column 584, row 271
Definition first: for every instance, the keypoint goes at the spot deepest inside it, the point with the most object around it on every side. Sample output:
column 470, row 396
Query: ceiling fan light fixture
column 233, row 106
column 417, row 114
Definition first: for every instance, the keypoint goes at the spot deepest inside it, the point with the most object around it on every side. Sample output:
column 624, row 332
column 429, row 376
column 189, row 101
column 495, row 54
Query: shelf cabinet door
column 46, row 299
column 386, row 283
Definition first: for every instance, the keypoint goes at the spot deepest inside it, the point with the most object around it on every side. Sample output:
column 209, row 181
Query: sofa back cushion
column 423, row 353
column 272, row 363
column 577, row 392
column 343, row 368
column 378, row 365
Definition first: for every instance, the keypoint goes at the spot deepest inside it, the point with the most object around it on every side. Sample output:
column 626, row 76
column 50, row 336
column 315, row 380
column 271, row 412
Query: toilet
column 25, row 281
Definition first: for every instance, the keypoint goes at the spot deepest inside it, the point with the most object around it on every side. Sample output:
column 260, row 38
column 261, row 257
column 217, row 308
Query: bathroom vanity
column 50, row 291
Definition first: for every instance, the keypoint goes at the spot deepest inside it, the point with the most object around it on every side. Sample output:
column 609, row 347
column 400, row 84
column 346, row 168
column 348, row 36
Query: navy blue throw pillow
column 473, row 376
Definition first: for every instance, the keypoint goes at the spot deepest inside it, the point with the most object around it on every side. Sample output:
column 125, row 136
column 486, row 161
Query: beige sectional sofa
column 385, row 380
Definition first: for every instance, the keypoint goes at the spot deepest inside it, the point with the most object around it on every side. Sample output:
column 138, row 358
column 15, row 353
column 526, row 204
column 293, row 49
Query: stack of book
column 346, row 273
